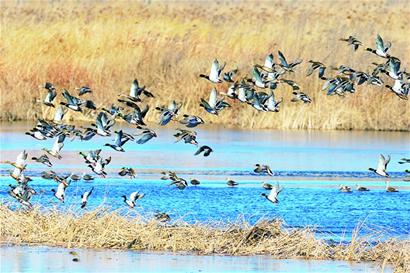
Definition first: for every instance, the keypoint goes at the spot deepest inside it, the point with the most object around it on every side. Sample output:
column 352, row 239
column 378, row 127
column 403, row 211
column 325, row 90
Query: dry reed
column 103, row 229
column 166, row 45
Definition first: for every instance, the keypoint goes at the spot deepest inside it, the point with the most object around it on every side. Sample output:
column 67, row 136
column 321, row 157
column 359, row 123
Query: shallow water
column 309, row 165
column 52, row 259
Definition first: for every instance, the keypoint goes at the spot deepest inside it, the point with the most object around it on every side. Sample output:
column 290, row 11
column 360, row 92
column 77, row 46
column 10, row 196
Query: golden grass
column 166, row 46
column 103, row 229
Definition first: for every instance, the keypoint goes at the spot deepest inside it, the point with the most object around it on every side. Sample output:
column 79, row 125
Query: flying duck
column 43, row 159
column 84, row 90
column 381, row 47
column 381, row 166
column 60, row 193
column 352, row 41
column 120, row 140
column 127, row 171
column 215, row 104
column 215, row 74
column 263, row 169
column 285, row 65
column 131, row 202
column 58, row 145
column 316, row 65
column 300, row 96
column 206, row 149
column 146, row 135
column 191, row 121
column 85, row 196
column 273, row 195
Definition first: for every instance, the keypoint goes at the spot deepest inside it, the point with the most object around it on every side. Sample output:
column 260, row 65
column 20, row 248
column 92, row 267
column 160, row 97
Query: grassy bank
column 166, row 46
column 102, row 229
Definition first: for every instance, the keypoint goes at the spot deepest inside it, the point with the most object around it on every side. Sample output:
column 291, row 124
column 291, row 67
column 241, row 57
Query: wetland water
column 309, row 165
column 53, row 259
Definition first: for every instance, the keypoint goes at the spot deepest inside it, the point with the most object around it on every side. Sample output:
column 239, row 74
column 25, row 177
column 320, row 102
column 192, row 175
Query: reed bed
column 103, row 229
column 166, row 45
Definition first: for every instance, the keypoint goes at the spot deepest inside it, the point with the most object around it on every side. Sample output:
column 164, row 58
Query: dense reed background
column 166, row 45
column 102, row 229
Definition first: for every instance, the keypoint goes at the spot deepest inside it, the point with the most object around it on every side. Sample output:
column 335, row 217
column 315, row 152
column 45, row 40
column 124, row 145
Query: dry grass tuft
column 166, row 45
column 103, row 229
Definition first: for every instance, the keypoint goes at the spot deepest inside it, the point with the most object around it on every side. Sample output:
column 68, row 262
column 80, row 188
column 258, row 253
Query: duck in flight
column 215, row 74
column 273, row 195
column 381, row 166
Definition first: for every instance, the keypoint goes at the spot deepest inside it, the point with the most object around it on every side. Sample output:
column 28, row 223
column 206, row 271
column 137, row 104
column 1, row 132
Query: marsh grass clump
column 105, row 45
column 101, row 228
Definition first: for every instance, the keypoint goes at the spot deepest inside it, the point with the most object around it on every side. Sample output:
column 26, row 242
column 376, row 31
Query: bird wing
column 214, row 70
column 200, row 150
column 213, row 98
column 133, row 196
column 282, row 59
column 58, row 143
column 134, row 89
column 379, row 43
column 381, row 165
column 269, row 61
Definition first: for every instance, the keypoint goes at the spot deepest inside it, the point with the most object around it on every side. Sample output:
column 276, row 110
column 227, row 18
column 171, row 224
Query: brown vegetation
column 103, row 229
column 166, row 45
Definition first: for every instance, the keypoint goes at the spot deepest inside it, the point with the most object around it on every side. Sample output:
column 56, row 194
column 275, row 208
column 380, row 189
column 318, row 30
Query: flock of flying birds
column 248, row 90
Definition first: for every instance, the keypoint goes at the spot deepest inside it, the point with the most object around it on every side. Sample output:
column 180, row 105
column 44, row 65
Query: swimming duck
column 87, row 177
column 344, row 188
column 352, row 41
column 381, row 166
column 267, row 186
column 231, row 183
column 273, row 195
column 215, row 74
column 75, row 177
column 48, row 175
column 263, row 169
column 195, row 182
column 361, row 188
column 206, row 149
column 85, row 196
column 162, row 217
column 43, row 159
column 389, row 188
column 191, row 121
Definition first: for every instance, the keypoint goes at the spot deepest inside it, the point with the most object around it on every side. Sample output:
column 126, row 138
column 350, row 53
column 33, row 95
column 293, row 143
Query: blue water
column 320, row 161
column 54, row 259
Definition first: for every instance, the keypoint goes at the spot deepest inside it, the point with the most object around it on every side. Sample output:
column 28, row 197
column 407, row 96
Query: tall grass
column 103, row 229
column 166, row 45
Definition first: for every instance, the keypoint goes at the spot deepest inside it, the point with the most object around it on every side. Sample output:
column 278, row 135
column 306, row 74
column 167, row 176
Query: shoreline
column 100, row 229
column 65, row 259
